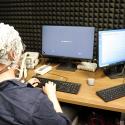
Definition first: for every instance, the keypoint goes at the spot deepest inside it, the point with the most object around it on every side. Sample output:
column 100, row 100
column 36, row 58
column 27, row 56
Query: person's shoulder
column 18, row 88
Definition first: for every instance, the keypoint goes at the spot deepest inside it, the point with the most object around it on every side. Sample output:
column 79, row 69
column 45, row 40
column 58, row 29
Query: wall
column 28, row 16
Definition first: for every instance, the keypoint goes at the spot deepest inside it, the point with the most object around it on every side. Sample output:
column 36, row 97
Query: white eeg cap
column 9, row 40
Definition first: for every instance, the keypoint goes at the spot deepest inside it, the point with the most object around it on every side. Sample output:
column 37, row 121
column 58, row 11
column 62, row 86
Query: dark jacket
column 24, row 105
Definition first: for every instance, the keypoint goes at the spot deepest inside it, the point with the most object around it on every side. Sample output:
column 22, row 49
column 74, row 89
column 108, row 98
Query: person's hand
column 50, row 89
column 34, row 82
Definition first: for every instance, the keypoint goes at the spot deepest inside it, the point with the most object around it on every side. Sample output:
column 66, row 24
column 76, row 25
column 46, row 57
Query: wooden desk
column 87, row 94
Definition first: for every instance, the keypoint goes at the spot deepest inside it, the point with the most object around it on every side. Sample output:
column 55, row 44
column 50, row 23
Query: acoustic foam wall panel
column 29, row 15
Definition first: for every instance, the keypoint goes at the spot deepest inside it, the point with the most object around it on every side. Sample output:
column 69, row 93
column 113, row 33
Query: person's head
column 11, row 46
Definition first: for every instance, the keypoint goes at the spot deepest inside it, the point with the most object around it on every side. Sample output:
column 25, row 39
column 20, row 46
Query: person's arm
column 50, row 90
column 44, row 112
column 47, row 109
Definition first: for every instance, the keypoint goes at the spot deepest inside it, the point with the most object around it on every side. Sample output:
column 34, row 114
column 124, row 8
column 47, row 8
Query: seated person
column 21, row 104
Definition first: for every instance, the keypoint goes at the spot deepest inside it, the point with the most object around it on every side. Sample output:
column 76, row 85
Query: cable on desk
column 123, row 73
column 42, row 59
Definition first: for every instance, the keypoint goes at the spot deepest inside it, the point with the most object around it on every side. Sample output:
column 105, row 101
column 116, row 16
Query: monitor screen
column 111, row 47
column 68, row 41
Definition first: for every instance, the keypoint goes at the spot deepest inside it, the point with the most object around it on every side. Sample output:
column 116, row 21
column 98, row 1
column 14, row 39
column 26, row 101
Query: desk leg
column 122, row 119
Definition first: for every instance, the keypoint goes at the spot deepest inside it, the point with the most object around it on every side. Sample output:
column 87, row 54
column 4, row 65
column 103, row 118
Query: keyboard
column 68, row 87
column 112, row 93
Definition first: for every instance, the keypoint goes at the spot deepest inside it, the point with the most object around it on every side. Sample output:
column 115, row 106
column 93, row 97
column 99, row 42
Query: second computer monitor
column 111, row 47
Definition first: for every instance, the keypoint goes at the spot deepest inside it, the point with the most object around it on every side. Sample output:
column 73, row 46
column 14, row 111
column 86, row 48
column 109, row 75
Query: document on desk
column 43, row 69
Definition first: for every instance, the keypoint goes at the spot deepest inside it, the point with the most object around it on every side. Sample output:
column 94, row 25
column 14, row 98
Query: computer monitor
column 111, row 47
column 68, row 42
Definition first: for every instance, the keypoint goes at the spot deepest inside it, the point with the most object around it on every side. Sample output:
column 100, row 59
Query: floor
column 91, row 116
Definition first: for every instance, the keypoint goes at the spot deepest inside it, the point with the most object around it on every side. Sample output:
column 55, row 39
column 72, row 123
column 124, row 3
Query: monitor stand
column 67, row 66
column 114, row 72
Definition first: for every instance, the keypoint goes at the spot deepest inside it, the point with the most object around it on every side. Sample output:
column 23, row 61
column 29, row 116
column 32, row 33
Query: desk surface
column 87, row 94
